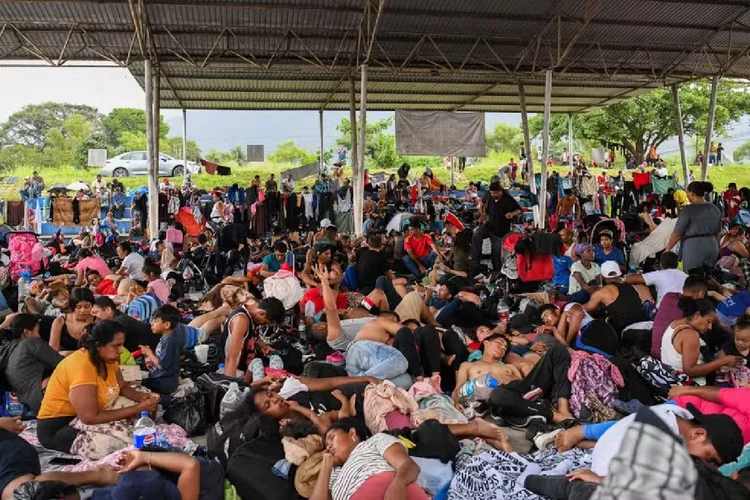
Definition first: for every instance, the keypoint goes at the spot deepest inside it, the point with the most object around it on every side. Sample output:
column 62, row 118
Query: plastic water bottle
column 477, row 389
column 231, row 400
column 144, row 433
column 24, row 281
column 503, row 310
column 221, row 368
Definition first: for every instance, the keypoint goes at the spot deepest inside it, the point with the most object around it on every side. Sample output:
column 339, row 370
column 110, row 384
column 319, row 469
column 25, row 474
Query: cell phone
column 65, row 461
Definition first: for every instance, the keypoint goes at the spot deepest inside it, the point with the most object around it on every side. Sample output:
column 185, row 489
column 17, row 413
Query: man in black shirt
column 372, row 263
column 497, row 210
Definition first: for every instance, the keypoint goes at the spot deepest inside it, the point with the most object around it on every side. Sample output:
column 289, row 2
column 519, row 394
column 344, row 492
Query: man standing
column 497, row 209
column 421, row 251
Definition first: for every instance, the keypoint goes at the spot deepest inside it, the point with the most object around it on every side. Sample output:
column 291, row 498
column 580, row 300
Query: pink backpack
column 174, row 236
column 25, row 252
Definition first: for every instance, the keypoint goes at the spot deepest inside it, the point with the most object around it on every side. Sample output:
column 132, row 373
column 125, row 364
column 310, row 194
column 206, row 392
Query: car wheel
column 120, row 172
column 178, row 171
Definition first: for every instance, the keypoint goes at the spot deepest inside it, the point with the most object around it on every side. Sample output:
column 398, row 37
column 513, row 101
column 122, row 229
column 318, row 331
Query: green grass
column 482, row 170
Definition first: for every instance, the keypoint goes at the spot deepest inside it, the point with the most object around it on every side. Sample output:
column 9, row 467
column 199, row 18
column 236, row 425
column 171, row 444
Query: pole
column 184, row 139
column 710, row 127
column 353, row 121
column 359, row 182
column 680, row 132
column 153, row 182
column 526, row 137
column 453, row 171
column 545, row 147
column 153, row 197
column 570, row 142
column 320, row 165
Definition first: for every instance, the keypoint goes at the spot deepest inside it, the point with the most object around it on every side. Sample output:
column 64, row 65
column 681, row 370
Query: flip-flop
column 627, row 407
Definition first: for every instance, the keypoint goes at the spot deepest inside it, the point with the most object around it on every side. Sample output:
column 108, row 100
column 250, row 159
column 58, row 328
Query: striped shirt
column 365, row 461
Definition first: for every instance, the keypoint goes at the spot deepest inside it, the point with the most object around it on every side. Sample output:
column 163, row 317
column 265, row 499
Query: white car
column 134, row 163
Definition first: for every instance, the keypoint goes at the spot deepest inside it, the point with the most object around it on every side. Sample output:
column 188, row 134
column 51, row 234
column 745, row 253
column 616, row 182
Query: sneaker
column 627, row 407
column 537, row 427
column 546, row 440
column 524, row 422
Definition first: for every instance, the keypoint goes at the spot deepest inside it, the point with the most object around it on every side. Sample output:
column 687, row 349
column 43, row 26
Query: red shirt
column 106, row 287
column 421, row 247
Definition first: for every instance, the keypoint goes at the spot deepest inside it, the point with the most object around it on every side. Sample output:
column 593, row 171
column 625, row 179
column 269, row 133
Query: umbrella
column 58, row 187
column 77, row 186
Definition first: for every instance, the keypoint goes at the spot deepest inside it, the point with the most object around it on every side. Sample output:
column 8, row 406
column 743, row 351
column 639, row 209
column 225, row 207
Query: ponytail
column 690, row 306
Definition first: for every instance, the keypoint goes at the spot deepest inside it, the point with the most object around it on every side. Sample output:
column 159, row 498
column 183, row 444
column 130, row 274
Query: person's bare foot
column 487, row 430
column 561, row 416
column 569, row 438
column 448, row 360
column 340, row 396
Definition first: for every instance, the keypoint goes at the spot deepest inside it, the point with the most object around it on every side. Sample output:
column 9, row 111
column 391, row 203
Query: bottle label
column 139, row 441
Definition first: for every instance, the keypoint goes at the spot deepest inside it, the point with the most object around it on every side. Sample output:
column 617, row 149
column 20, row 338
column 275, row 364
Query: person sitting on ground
column 239, row 330
column 87, row 261
column 624, row 303
column 322, row 256
column 605, row 251
column 585, row 274
column 156, row 284
column 682, row 342
column 164, row 369
column 27, row 360
column 85, row 385
column 372, row 263
column 668, row 279
column 695, row 287
column 68, row 329
column 272, row 263
column 421, row 251
column 132, row 262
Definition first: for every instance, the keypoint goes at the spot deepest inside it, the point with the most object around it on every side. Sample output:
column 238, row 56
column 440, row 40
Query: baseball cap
column 723, row 432
column 325, row 223
column 520, row 323
column 607, row 233
column 450, row 218
column 611, row 269
column 139, row 484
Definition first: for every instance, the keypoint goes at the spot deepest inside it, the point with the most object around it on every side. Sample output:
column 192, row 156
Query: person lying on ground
column 19, row 466
column 85, row 385
column 493, row 350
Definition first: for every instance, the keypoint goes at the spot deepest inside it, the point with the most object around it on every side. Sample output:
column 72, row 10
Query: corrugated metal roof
column 430, row 54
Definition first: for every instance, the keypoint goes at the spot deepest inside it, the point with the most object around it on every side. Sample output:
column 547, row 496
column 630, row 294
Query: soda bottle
column 231, row 400
column 503, row 311
column 144, row 433
column 477, row 389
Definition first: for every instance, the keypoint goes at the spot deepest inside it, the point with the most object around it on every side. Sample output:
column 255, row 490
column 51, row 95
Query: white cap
column 611, row 269
column 325, row 223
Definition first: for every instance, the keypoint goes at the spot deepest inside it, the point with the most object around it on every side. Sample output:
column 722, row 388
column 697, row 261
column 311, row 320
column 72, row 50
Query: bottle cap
column 492, row 383
column 221, row 365
column 144, row 414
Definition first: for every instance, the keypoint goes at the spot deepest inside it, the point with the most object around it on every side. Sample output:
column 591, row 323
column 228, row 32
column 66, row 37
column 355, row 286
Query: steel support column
column 353, row 122
column 526, row 135
column 184, row 139
column 359, row 182
column 570, row 142
column 153, row 202
column 321, row 162
column 710, row 127
column 680, row 132
column 153, row 186
column 545, row 148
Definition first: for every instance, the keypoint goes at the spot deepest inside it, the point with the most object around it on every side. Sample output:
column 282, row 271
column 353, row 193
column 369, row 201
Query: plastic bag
column 188, row 412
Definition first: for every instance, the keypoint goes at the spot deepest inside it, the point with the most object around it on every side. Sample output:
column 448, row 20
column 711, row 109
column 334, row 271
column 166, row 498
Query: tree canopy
column 650, row 119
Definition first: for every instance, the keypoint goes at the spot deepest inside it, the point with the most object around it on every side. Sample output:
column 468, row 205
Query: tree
column 237, row 154
column 504, row 137
column 374, row 129
column 173, row 147
column 217, row 156
column 30, row 125
column 122, row 120
column 742, row 152
column 289, row 152
column 131, row 141
column 650, row 119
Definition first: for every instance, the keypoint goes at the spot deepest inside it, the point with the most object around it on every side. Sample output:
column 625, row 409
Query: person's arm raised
column 329, row 303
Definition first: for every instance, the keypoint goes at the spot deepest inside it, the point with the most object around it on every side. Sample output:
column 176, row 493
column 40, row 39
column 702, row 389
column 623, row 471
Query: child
column 165, row 363
column 738, row 346
column 156, row 284
column 585, row 274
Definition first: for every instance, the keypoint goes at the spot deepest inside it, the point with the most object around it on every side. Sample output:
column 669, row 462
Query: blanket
column 497, row 475
column 66, row 215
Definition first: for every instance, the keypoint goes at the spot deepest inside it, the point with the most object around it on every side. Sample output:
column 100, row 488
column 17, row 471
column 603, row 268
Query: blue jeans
column 366, row 358
column 426, row 261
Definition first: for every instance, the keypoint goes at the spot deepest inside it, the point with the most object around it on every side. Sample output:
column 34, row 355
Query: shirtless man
column 369, row 206
column 493, row 348
column 569, row 207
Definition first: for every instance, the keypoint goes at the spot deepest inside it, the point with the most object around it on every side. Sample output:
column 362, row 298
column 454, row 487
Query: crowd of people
column 453, row 351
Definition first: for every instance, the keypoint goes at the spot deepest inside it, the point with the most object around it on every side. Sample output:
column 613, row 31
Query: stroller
column 26, row 252
column 194, row 280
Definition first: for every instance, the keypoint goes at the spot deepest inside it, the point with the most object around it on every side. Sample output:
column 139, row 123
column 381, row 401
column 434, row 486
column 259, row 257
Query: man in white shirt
column 668, row 279
column 132, row 262
column 98, row 184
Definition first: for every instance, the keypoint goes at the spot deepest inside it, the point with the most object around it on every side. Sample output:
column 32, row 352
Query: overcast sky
column 108, row 88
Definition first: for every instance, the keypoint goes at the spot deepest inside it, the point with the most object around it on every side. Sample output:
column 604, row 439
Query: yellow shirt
column 74, row 371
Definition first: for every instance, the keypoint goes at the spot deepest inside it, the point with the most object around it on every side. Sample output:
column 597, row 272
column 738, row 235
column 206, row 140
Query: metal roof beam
column 343, row 98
